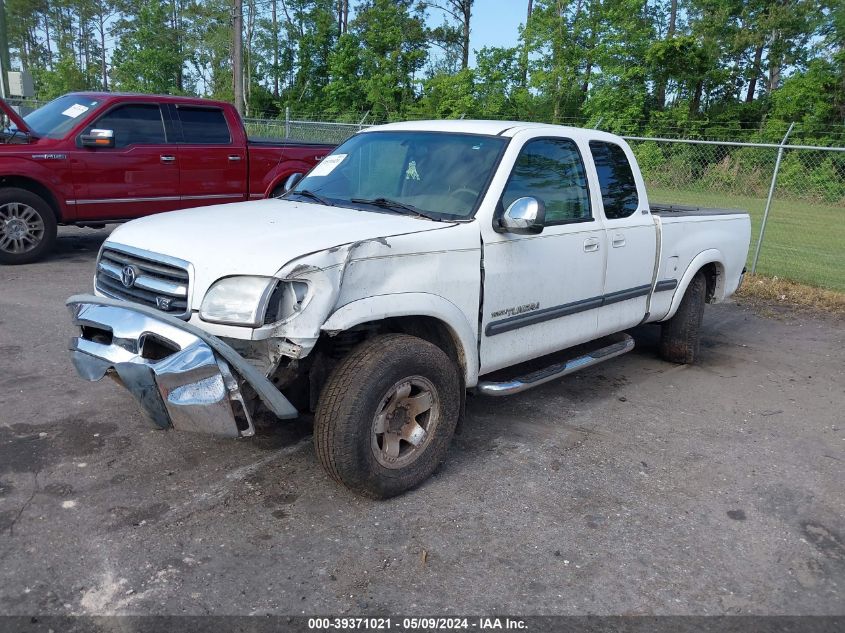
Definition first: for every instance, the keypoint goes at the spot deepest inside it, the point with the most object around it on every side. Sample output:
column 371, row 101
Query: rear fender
column 710, row 256
column 283, row 171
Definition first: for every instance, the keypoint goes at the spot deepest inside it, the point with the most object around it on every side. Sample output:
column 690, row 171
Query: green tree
column 148, row 56
column 345, row 92
column 393, row 41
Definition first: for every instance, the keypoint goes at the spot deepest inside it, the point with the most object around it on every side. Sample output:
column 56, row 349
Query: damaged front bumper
column 181, row 376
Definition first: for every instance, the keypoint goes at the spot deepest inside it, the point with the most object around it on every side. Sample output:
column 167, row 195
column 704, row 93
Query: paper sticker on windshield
column 75, row 110
column 411, row 173
column 327, row 165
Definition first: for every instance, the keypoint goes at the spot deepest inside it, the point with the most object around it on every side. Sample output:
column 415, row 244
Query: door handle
column 591, row 245
column 166, row 158
column 618, row 240
column 234, row 158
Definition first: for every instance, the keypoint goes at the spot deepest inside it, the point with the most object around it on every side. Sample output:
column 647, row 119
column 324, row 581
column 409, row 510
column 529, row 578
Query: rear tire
column 679, row 336
column 27, row 226
column 387, row 414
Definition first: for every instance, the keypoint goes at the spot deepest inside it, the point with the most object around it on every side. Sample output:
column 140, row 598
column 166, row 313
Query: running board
column 622, row 345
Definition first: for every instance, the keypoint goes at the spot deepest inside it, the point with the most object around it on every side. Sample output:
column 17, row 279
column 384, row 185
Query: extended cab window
column 133, row 124
column 204, row 126
column 551, row 170
column 618, row 188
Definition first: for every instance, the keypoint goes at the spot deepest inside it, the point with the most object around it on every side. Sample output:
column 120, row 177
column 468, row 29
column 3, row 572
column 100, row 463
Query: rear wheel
column 679, row 336
column 387, row 414
column 27, row 226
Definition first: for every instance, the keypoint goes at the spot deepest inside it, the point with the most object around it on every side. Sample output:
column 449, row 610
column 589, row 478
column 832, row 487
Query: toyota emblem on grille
column 127, row 276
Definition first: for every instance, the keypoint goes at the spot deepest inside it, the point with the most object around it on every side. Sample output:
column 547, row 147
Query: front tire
column 679, row 336
column 387, row 414
column 27, row 226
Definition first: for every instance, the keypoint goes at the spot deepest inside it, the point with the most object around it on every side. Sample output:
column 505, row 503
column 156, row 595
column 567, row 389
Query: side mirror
column 524, row 216
column 98, row 138
column 290, row 183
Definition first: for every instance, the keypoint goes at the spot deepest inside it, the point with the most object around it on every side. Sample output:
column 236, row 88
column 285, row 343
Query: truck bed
column 682, row 210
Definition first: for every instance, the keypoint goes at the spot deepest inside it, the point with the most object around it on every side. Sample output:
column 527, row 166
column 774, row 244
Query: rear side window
column 618, row 188
column 551, row 170
column 133, row 124
column 204, row 126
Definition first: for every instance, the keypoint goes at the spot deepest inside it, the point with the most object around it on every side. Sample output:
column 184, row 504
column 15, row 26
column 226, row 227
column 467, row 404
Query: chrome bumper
column 181, row 376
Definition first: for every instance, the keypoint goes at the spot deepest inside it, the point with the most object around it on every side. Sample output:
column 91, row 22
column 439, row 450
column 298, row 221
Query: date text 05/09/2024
column 416, row 624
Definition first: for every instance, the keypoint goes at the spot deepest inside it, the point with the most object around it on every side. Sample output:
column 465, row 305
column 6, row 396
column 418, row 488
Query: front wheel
column 27, row 226
column 387, row 414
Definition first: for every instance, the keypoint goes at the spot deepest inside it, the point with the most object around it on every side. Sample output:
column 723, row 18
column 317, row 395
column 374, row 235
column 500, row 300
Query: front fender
column 49, row 175
column 412, row 304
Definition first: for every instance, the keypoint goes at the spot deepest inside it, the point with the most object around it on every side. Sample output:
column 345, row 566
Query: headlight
column 287, row 299
column 238, row 300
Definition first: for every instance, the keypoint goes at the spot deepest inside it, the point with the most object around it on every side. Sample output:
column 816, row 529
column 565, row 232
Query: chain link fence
column 804, row 238
column 801, row 196
column 313, row 131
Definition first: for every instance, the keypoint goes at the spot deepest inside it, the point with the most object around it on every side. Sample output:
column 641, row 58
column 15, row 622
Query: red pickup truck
column 89, row 158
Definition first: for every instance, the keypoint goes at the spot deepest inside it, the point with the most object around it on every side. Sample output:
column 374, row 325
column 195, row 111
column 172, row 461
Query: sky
column 494, row 23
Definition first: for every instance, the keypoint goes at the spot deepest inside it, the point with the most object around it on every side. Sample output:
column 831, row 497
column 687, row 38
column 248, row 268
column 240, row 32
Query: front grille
column 144, row 279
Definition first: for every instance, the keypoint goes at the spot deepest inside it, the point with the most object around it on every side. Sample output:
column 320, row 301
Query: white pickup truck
column 416, row 262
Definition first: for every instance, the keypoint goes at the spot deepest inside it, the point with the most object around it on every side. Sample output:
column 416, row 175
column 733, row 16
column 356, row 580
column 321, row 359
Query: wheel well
column 35, row 187
column 714, row 275
column 427, row 328
column 330, row 349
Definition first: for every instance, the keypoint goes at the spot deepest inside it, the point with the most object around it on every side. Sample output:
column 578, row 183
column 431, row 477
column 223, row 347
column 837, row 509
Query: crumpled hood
column 257, row 238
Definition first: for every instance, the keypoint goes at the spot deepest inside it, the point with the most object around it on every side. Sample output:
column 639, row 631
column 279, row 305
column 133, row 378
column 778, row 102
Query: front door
column 138, row 176
column 541, row 292
column 214, row 168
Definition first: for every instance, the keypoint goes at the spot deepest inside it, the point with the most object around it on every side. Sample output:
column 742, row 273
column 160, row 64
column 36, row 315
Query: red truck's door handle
column 166, row 158
column 233, row 158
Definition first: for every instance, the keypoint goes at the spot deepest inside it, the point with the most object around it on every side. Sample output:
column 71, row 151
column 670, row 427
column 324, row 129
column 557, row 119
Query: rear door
column 542, row 292
column 213, row 161
column 136, row 177
column 631, row 238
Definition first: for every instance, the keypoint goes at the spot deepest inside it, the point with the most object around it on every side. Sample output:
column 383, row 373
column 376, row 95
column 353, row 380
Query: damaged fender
column 412, row 304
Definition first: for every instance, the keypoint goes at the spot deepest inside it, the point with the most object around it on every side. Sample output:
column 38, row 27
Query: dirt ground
column 636, row 487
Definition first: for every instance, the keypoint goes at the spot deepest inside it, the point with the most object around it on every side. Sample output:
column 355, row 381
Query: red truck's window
column 55, row 119
column 204, row 126
column 618, row 187
column 133, row 124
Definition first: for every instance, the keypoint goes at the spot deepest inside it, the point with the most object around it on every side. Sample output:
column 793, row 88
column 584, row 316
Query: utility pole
column 237, row 56
column 4, row 52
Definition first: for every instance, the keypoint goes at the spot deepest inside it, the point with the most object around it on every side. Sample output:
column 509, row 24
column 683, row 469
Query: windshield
column 57, row 117
column 432, row 174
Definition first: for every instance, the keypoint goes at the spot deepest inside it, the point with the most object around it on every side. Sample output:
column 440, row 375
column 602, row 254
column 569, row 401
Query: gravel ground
column 636, row 487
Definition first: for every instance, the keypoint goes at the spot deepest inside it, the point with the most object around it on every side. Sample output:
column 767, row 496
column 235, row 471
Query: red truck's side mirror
column 98, row 138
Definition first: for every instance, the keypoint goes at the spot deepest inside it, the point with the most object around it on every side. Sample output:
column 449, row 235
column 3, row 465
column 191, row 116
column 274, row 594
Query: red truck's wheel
column 27, row 226
column 387, row 414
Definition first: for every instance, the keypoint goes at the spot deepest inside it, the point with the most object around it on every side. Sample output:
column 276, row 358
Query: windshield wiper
column 305, row 193
column 393, row 205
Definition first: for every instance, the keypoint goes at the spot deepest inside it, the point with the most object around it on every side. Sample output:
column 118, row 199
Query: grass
column 760, row 290
column 804, row 241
